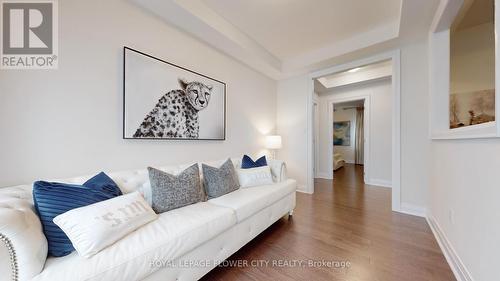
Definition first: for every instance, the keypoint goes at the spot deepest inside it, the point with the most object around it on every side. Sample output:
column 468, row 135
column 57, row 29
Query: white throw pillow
column 255, row 176
column 94, row 227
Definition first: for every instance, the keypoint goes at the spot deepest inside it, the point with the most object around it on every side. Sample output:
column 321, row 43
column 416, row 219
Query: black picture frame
column 125, row 49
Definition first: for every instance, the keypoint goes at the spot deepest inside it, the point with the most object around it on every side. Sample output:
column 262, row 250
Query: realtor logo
column 29, row 35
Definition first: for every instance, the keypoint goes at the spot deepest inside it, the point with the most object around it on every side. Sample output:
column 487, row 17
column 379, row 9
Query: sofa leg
column 290, row 214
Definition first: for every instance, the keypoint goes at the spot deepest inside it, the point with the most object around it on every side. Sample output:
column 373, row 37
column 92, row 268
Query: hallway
column 350, row 222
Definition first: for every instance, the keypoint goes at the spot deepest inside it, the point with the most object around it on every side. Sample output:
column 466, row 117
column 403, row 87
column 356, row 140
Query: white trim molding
column 414, row 210
column 322, row 175
column 457, row 266
column 379, row 182
column 394, row 56
column 302, row 189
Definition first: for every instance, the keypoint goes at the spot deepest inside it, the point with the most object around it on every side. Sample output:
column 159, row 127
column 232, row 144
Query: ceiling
column 288, row 28
column 284, row 38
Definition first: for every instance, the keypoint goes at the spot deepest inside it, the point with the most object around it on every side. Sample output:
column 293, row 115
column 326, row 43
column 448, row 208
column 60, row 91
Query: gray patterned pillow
column 171, row 192
column 220, row 181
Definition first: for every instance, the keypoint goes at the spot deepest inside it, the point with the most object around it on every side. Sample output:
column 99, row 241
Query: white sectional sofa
column 182, row 244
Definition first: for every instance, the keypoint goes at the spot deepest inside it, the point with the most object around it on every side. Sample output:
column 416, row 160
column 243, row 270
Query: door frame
column 395, row 57
column 331, row 118
column 316, row 136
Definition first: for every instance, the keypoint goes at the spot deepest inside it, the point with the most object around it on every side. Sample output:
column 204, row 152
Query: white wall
column 465, row 181
column 472, row 64
column 292, row 126
column 68, row 122
column 347, row 152
column 415, row 145
column 380, row 139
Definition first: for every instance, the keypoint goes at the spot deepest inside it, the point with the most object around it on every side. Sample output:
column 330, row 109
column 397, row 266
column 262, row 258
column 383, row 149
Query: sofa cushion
column 52, row 199
column 248, row 201
column 141, row 252
column 174, row 191
column 219, row 181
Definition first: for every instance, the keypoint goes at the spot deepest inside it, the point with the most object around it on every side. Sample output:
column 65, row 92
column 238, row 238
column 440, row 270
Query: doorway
column 348, row 134
column 394, row 123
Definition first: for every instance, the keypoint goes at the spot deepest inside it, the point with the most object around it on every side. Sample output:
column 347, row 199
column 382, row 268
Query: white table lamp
column 273, row 143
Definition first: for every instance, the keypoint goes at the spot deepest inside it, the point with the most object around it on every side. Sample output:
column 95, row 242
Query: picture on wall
column 167, row 102
column 342, row 133
column 472, row 108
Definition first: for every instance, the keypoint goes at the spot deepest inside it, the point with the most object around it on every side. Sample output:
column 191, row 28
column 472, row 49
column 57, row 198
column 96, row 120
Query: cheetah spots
column 172, row 117
column 137, row 133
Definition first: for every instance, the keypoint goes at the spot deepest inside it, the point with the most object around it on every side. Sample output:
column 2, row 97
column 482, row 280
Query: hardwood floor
column 344, row 221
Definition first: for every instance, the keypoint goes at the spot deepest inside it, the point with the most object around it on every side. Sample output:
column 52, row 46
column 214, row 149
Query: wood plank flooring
column 344, row 220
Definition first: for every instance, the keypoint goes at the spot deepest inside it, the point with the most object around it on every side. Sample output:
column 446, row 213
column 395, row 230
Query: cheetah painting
column 165, row 101
column 176, row 113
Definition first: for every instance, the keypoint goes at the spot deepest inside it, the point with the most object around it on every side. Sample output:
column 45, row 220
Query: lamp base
column 273, row 154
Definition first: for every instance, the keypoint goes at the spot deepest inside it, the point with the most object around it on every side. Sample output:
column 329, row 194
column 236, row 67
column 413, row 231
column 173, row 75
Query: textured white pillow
column 255, row 176
column 94, row 227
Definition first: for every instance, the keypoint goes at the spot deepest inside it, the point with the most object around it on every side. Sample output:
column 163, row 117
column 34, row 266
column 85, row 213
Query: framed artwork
column 472, row 108
column 163, row 101
column 342, row 133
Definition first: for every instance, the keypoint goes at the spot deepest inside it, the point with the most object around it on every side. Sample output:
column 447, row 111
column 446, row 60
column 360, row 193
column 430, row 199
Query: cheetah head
column 198, row 94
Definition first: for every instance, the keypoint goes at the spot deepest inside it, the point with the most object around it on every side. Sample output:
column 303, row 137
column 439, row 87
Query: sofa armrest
column 278, row 170
column 23, row 246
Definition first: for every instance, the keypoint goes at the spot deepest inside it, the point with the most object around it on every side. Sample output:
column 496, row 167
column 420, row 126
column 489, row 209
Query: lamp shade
column 273, row 142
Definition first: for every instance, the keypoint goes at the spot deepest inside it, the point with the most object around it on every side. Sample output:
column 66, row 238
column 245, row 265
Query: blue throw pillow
column 247, row 162
column 52, row 199
column 104, row 182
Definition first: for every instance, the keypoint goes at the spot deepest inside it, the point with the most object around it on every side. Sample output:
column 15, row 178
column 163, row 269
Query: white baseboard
column 326, row 176
column 303, row 189
column 379, row 182
column 457, row 266
column 413, row 210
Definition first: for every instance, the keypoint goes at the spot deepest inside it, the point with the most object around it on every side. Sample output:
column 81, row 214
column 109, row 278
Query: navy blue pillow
column 247, row 162
column 52, row 199
column 104, row 182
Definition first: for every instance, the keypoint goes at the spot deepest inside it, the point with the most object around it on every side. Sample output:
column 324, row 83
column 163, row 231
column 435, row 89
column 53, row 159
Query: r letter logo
column 29, row 35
